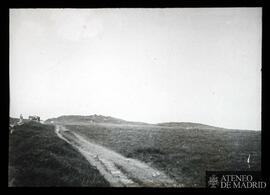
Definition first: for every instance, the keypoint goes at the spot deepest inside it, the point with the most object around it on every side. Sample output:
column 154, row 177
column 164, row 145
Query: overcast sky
column 151, row 65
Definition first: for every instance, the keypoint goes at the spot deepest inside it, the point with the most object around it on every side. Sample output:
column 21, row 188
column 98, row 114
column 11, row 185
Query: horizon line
column 47, row 118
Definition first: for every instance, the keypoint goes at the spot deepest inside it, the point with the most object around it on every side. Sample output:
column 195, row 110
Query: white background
column 151, row 65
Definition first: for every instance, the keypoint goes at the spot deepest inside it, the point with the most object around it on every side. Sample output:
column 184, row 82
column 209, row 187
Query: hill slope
column 87, row 120
column 78, row 119
column 182, row 154
column 188, row 125
column 37, row 157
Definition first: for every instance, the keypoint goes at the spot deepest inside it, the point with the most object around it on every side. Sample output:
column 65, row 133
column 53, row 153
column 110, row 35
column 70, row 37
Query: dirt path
column 118, row 170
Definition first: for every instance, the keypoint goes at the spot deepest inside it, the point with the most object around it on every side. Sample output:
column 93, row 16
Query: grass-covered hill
column 183, row 154
column 84, row 120
column 37, row 157
column 184, row 151
column 100, row 119
column 188, row 125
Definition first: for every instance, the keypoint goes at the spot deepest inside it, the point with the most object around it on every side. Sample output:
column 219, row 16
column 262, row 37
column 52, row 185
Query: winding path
column 118, row 170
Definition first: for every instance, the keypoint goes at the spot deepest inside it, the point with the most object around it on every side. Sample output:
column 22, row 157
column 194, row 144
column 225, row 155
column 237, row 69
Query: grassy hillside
column 37, row 157
column 184, row 154
column 85, row 120
column 184, row 151
column 188, row 125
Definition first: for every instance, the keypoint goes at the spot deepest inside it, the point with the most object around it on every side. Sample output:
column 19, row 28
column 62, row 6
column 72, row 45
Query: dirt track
column 118, row 170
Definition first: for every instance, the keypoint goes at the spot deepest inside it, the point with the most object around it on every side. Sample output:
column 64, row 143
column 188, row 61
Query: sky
column 150, row 65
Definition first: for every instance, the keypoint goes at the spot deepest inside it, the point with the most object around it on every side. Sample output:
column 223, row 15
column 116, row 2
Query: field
column 183, row 154
column 37, row 157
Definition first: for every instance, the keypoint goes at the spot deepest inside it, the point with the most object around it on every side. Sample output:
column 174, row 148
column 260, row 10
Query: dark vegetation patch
column 144, row 151
column 37, row 157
